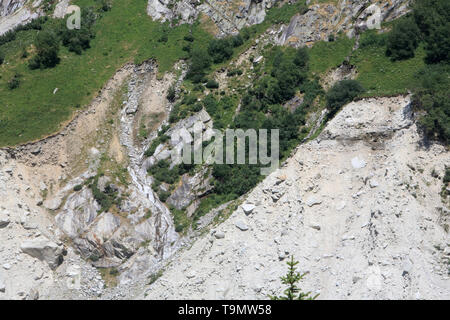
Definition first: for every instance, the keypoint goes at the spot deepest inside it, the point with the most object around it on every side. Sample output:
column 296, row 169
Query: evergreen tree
column 291, row 279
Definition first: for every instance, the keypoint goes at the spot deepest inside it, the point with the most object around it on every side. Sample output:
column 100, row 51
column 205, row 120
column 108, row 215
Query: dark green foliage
column 433, row 20
column 105, row 199
column 24, row 53
column 234, row 72
column 235, row 179
column 212, row 84
column 291, row 279
column 78, row 40
column 105, row 5
column 14, row 82
column 288, row 72
column 200, row 61
column 162, row 172
column 7, row 37
column 179, row 219
column 218, row 51
column 47, row 47
column 221, row 50
column 341, row 93
column 78, row 187
column 446, row 178
column 163, row 195
column 210, row 104
column 48, row 5
column 2, row 57
column 35, row 24
column 261, row 108
column 432, row 96
column 171, row 94
column 189, row 38
column 403, row 40
column 155, row 143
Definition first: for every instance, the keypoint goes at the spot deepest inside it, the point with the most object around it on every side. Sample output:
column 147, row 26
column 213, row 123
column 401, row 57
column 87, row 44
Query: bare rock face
column 79, row 211
column 44, row 250
column 228, row 16
column 14, row 13
column 323, row 20
column 8, row 7
column 372, row 231
column 190, row 189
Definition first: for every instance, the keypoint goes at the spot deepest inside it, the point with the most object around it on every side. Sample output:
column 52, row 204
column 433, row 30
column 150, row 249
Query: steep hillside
column 92, row 123
column 359, row 207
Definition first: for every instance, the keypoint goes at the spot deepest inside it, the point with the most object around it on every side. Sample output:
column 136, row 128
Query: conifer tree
column 291, row 279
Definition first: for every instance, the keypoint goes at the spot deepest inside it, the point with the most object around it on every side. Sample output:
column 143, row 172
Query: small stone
column 4, row 220
column 241, row 226
column 358, row 163
column 315, row 226
column 6, row 266
column 33, row 295
column 36, row 150
column 219, row 235
column 248, row 208
column 313, row 201
column 373, row 183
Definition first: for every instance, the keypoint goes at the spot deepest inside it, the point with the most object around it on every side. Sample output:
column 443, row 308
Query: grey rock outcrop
column 78, row 212
column 190, row 189
column 15, row 12
column 323, row 20
column 229, row 16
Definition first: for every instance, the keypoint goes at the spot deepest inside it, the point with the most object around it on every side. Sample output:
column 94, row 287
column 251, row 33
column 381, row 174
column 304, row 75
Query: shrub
column 155, row 143
column 220, row 49
column 14, row 82
column 78, row 40
column 7, row 37
column 212, row 84
column 432, row 100
column 189, row 37
column 234, row 72
column 47, row 47
column 2, row 57
column 163, row 195
column 403, row 40
column 171, row 94
column 78, row 187
column 342, row 93
column 200, row 61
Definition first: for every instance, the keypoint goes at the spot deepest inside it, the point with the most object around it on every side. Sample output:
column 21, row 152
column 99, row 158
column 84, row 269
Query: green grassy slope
column 124, row 34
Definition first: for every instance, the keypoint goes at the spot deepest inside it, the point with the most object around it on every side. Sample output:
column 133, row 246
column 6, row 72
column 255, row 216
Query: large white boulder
column 44, row 250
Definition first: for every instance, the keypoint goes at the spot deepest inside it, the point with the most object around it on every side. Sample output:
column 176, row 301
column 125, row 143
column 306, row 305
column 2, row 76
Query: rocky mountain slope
column 359, row 207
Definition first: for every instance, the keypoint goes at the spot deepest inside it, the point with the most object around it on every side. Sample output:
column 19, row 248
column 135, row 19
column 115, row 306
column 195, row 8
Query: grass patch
column 380, row 76
column 327, row 55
